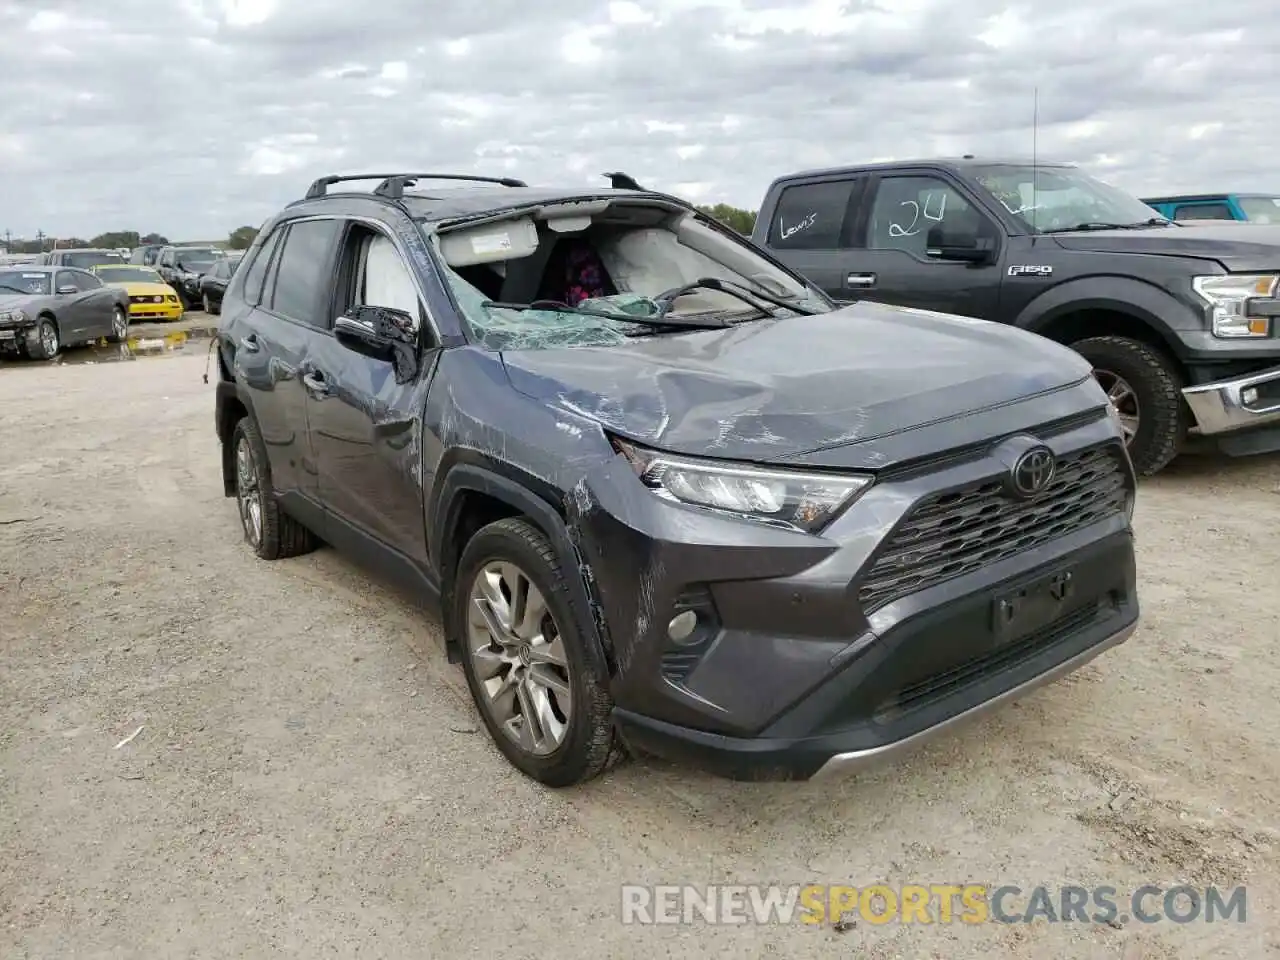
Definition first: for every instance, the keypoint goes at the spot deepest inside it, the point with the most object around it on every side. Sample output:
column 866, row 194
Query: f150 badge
column 1031, row 271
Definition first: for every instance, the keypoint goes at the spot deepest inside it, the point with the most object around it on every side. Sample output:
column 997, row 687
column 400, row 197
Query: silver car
column 43, row 309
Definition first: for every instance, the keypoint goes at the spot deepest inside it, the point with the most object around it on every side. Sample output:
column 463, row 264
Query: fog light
column 682, row 626
column 1249, row 396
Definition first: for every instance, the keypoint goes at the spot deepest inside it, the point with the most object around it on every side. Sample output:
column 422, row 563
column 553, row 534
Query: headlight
column 1229, row 298
column 12, row 316
column 782, row 498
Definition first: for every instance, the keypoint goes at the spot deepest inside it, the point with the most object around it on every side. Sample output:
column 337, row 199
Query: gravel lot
column 309, row 779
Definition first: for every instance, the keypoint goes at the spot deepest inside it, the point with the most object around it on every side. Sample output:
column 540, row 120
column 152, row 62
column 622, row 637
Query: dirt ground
column 309, row 780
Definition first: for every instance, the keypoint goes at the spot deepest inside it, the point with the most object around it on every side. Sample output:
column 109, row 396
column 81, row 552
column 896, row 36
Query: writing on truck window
column 932, row 207
column 785, row 231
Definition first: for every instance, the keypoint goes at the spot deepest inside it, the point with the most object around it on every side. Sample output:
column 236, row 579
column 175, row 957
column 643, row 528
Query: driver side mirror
column 959, row 247
column 381, row 333
column 68, row 288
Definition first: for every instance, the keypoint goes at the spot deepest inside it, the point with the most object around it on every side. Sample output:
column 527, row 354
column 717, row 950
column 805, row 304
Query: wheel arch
column 474, row 491
column 230, row 407
column 1107, row 307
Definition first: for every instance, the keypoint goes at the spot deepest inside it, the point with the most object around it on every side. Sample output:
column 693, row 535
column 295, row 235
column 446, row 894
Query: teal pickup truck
column 1251, row 207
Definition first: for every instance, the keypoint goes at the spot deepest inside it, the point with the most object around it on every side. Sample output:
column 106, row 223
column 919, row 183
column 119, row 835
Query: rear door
column 899, row 211
column 364, row 420
column 811, row 230
column 289, row 288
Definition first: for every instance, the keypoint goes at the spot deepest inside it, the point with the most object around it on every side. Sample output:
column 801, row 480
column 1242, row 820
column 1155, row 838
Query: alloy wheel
column 519, row 658
column 248, row 492
column 208, row 307
column 48, row 339
column 119, row 323
column 1124, row 399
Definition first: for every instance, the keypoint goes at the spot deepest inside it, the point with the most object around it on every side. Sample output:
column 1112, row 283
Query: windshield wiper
column 748, row 296
column 659, row 320
column 1102, row 225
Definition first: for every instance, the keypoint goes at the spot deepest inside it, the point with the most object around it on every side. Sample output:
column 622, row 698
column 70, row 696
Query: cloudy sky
column 190, row 117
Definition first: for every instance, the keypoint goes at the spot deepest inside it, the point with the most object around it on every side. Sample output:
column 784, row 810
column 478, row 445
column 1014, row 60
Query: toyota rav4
column 670, row 497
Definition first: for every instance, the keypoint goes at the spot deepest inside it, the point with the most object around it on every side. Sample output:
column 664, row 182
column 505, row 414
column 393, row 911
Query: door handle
column 249, row 344
column 315, row 383
column 861, row 279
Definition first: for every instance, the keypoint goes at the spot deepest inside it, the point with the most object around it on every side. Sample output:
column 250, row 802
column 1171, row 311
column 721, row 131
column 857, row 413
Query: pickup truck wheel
column 271, row 532
column 526, row 663
column 1146, row 389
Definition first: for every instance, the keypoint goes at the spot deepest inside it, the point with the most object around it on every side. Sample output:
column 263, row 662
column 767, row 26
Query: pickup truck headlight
column 1229, row 297
column 792, row 499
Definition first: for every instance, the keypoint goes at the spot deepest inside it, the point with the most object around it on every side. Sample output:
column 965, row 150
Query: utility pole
column 40, row 239
column 8, row 242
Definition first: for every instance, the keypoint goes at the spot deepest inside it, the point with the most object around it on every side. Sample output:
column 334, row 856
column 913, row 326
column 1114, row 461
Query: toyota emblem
column 1033, row 471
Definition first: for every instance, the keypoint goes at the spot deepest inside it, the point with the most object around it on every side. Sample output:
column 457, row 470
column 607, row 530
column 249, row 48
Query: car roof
column 87, row 250
column 27, row 268
column 956, row 164
column 449, row 203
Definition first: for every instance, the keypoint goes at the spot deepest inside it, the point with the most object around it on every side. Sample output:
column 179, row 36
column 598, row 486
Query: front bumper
column 1240, row 403
column 14, row 334
column 155, row 311
column 874, row 708
column 812, row 657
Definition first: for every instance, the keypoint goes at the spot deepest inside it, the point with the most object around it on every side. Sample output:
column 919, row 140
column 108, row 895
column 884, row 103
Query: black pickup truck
column 1181, row 324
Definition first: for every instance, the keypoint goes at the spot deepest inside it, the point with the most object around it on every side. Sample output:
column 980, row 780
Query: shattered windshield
column 566, row 289
column 1058, row 198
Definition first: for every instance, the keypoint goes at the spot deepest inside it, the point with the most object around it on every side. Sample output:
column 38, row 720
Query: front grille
column 951, row 534
column 148, row 298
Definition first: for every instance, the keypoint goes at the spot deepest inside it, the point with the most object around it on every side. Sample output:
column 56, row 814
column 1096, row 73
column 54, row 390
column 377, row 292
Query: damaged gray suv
column 670, row 498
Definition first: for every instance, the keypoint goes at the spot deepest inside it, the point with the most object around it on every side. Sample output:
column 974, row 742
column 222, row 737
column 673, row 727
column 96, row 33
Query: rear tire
column 271, row 532
column 541, row 661
column 1153, row 396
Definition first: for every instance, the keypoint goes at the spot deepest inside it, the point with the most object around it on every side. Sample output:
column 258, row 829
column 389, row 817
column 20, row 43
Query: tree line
column 239, row 239
column 743, row 221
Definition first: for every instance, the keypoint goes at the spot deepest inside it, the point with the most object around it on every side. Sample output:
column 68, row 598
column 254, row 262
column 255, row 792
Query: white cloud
column 713, row 98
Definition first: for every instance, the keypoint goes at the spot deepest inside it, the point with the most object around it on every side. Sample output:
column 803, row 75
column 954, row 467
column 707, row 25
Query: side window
column 64, row 278
column 374, row 274
column 166, row 258
column 811, row 216
column 252, row 289
column 1203, row 211
column 905, row 209
column 302, row 287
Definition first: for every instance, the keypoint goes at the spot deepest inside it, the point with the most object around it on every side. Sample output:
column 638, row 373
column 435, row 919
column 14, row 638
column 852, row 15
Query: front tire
column 119, row 325
column 47, row 343
column 271, row 532
column 1146, row 388
column 542, row 696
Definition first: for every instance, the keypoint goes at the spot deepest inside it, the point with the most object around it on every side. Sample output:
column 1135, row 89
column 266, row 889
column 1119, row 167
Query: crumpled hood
column 1237, row 246
column 772, row 389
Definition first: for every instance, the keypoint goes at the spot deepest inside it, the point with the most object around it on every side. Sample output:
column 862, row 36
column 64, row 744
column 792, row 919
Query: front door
column 75, row 311
column 363, row 420
column 896, row 268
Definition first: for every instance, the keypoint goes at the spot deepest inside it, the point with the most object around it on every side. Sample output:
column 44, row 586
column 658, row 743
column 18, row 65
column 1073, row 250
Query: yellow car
column 150, row 298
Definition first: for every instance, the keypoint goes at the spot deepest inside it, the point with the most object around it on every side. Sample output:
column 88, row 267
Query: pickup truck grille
column 951, row 534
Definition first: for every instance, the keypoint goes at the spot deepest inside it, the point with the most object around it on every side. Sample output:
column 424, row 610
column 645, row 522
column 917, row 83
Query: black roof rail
column 393, row 187
column 393, row 184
